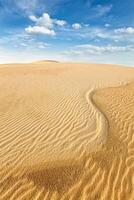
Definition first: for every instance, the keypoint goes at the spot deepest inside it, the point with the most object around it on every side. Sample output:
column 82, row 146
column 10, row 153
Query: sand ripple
column 64, row 137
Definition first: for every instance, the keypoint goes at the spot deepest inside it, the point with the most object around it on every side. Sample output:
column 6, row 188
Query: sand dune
column 45, row 61
column 66, row 132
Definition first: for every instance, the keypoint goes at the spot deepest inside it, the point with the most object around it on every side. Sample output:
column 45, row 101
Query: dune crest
column 118, row 103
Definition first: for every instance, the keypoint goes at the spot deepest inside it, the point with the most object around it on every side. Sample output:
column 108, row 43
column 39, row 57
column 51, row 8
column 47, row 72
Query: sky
column 94, row 31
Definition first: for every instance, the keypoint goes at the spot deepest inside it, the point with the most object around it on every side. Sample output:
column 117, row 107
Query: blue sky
column 100, row 31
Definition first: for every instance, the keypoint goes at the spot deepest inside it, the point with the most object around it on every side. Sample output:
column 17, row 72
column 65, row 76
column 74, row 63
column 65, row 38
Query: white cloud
column 30, row 48
column 27, row 6
column 60, row 22
column 22, row 41
column 44, row 25
column 39, row 30
column 107, row 34
column 88, row 49
column 41, row 45
column 76, row 26
column 128, row 30
column 103, row 10
column 47, row 21
column 109, row 54
column 23, row 44
column 107, row 25
column 32, row 45
column 33, row 18
column 44, row 20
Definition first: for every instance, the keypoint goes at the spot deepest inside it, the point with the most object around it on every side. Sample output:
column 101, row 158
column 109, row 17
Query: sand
column 66, row 131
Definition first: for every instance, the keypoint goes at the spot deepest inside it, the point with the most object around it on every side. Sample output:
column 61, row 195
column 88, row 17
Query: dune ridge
column 121, row 141
column 63, row 135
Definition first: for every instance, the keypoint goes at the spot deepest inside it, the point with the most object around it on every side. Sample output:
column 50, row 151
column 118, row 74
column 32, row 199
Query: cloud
column 60, row 22
column 31, row 45
column 39, row 30
column 128, row 30
column 44, row 20
column 106, row 33
column 88, row 49
column 44, row 25
column 27, row 6
column 22, row 7
column 22, row 41
column 76, row 26
column 33, row 18
column 107, row 25
column 102, row 10
column 42, row 45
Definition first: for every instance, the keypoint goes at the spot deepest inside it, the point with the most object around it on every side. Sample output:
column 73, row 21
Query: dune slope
column 63, row 135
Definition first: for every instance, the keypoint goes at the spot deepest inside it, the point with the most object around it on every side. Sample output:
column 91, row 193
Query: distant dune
column 46, row 61
column 66, row 131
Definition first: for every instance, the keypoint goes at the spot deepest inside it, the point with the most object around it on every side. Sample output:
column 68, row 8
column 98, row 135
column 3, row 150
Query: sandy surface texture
column 66, row 132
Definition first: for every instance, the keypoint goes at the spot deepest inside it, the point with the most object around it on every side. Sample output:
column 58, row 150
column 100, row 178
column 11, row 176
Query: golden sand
column 66, row 132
